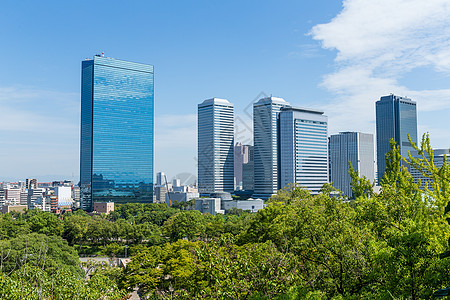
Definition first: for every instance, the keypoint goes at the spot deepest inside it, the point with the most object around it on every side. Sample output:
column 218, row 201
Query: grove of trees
column 391, row 244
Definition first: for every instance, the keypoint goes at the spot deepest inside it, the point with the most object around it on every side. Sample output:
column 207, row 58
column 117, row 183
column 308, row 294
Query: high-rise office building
column 248, row 171
column 438, row 161
column 160, row 178
column 354, row 147
column 241, row 157
column 116, row 156
column 396, row 117
column 265, row 131
column 303, row 148
column 215, row 146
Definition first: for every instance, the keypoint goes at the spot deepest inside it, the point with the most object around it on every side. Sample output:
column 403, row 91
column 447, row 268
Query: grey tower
column 354, row 147
column 396, row 118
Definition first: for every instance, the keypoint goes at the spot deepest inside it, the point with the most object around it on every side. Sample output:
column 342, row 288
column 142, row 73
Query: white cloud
column 30, row 110
column 378, row 43
column 40, row 132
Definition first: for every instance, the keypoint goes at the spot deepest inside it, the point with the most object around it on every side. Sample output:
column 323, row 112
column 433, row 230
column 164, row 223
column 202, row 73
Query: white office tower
column 303, row 148
column 354, row 147
column 176, row 182
column 215, row 146
column 160, row 180
column 265, row 130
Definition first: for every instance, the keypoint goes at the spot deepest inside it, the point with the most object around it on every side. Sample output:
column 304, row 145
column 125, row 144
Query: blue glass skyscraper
column 116, row 150
column 396, row 118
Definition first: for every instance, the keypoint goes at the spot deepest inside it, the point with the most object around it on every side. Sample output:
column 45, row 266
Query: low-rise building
column 252, row 205
column 180, row 197
column 103, row 207
column 209, row 205
column 10, row 208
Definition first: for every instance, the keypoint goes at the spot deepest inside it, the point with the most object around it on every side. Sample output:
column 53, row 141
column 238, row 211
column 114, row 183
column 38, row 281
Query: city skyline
column 319, row 55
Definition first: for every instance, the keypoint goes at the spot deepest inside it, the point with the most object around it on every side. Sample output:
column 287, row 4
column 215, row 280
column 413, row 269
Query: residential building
column 35, row 199
column 31, row 183
column 396, row 118
column 116, row 150
column 265, row 130
column 354, row 147
column 63, row 194
column 12, row 196
column 160, row 192
column 303, row 148
column 215, row 146
column 2, row 197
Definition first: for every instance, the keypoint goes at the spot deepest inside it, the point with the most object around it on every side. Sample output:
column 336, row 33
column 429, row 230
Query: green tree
column 185, row 224
column 47, row 252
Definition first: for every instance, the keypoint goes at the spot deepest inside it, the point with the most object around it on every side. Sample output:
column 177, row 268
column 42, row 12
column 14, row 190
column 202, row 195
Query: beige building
column 103, row 207
column 10, row 208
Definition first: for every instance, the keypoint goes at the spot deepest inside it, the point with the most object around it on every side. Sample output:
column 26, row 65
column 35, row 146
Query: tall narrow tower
column 116, row 150
column 215, row 146
column 354, row 147
column 265, row 130
column 396, row 118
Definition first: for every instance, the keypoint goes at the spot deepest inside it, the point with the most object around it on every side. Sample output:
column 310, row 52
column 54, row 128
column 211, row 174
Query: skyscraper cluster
column 291, row 146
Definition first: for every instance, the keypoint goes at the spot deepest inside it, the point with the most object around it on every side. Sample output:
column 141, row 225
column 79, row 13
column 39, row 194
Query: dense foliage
column 391, row 244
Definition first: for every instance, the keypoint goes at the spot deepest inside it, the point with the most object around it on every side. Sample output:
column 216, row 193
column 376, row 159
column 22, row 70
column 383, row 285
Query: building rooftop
column 302, row 109
column 271, row 99
column 392, row 97
column 213, row 101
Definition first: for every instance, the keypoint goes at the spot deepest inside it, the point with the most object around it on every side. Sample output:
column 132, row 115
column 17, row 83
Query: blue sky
column 332, row 55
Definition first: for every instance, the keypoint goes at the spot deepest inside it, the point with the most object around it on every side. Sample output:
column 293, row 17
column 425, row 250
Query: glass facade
column 354, row 147
column 303, row 148
column 116, row 157
column 396, row 117
column 215, row 146
column 265, row 130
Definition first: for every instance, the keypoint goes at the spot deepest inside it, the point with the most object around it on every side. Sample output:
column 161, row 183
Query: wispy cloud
column 39, row 131
column 306, row 51
column 377, row 44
